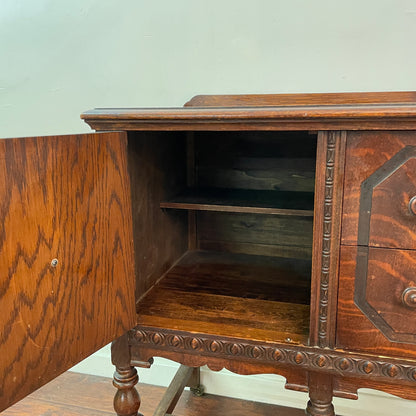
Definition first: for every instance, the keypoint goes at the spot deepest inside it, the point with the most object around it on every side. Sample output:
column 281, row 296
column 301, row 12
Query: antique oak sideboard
column 258, row 233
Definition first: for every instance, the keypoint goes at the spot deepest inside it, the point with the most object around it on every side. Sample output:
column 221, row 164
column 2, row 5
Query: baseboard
column 262, row 388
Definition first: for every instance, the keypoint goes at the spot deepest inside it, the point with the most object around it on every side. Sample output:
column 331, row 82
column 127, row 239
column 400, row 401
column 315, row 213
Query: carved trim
column 307, row 358
column 331, row 152
column 326, row 240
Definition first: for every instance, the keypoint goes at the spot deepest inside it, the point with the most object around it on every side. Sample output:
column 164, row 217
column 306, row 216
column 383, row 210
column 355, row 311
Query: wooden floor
column 74, row 394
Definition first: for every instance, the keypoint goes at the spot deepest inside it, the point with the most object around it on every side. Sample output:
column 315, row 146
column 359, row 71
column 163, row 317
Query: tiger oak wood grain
column 64, row 198
column 354, row 329
column 392, row 225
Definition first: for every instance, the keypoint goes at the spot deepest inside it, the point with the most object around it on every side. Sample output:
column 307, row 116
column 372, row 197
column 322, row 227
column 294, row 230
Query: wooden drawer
column 380, row 190
column 376, row 310
column 377, row 282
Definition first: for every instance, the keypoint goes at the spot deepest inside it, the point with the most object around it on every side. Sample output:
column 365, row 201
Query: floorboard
column 74, row 394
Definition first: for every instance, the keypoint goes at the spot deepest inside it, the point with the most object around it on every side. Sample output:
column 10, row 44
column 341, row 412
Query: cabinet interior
column 223, row 231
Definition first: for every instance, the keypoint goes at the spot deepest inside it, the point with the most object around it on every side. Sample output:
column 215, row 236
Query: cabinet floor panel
column 244, row 200
column 254, row 297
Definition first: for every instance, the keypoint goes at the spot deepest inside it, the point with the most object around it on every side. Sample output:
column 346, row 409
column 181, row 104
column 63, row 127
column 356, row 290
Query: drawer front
column 376, row 302
column 380, row 190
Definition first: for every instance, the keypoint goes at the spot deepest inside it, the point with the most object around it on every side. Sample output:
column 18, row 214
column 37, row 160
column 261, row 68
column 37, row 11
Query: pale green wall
column 61, row 57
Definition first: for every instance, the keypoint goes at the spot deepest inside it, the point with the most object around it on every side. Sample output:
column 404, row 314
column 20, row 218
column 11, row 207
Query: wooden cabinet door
column 66, row 255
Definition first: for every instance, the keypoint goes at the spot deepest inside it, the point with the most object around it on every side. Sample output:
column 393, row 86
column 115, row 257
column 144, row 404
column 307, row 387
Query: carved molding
column 307, row 358
column 330, row 214
column 326, row 240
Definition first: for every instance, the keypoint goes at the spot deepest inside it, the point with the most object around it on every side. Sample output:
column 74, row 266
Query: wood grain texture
column 263, row 100
column 267, row 161
column 242, row 276
column 379, row 290
column 326, row 237
column 296, row 378
column 248, row 201
column 320, row 395
column 280, row 236
column 64, row 198
column 231, row 295
column 247, row 356
column 75, row 394
column 392, row 225
column 354, row 330
column 157, row 168
column 348, row 388
column 310, row 116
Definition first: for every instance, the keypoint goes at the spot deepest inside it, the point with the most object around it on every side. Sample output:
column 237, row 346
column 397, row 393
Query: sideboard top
column 329, row 111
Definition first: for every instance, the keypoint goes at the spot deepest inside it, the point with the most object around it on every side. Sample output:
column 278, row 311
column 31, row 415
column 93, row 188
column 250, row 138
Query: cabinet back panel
column 256, row 160
column 269, row 235
column 157, row 166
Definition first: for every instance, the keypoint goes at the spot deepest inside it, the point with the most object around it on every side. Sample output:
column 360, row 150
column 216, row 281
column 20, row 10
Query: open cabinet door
column 66, row 255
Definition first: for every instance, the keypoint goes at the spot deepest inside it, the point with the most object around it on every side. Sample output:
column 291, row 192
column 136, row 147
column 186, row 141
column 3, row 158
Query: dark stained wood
column 392, row 224
column 237, row 355
column 191, row 182
column 251, row 299
column 296, row 378
column 365, row 116
column 126, row 400
column 74, row 394
column 354, row 330
column 249, row 314
column 69, row 394
column 64, row 198
column 274, row 161
column 320, row 395
column 326, row 237
column 157, row 167
column 348, row 388
column 35, row 407
column 281, row 236
column 244, row 318
column 289, row 100
column 242, row 276
column 174, row 391
column 248, row 201
column 389, row 275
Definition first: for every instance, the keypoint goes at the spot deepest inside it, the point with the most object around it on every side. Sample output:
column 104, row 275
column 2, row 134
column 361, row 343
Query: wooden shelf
column 254, row 297
column 244, row 201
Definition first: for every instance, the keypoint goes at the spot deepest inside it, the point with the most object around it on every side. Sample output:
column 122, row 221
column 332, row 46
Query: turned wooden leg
column 127, row 399
column 320, row 395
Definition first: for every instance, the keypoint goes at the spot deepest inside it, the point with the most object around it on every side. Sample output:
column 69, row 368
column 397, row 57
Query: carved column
column 320, row 395
column 126, row 399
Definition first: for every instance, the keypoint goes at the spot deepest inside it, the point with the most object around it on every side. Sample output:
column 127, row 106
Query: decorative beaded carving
column 308, row 358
